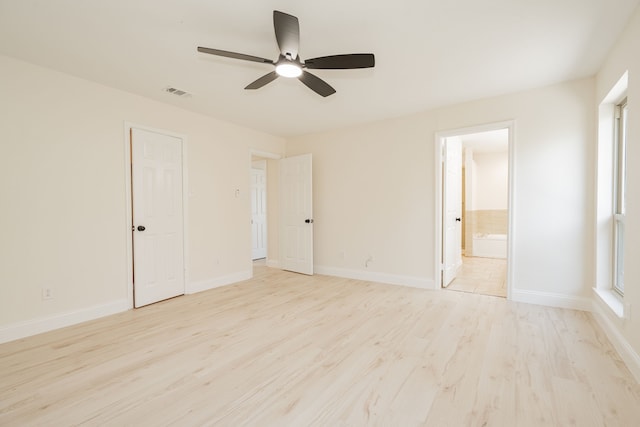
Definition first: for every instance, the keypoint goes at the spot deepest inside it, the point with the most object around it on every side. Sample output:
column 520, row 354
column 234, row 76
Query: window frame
column 619, row 194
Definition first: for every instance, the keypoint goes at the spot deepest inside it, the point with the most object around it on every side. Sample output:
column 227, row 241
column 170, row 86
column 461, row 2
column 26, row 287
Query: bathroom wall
column 489, row 213
column 488, row 180
column 488, row 221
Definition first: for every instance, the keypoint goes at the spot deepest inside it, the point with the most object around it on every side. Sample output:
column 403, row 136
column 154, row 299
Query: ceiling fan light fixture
column 288, row 69
column 289, row 64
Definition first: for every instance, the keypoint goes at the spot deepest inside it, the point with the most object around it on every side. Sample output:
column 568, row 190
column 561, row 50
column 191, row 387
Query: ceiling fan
column 288, row 64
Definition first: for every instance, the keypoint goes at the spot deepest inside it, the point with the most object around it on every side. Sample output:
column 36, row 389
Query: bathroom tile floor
column 487, row 276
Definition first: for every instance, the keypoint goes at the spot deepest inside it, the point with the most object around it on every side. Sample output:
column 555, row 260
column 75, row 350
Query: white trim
column 439, row 140
column 551, row 299
column 37, row 326
column 129, row 220
column 620, row 343
column 391, row 279
column 612, row 300
column 265, row 154
column 603, row 268
column 617, row 92
column 205, row 285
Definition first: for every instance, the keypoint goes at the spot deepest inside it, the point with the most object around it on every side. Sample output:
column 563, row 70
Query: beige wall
column 63, row 179
column 489, row 212
column 490, row 181
column 373, row 196
column 62, row 192
column 488, row 221
column 624, row 57
column 374, row 190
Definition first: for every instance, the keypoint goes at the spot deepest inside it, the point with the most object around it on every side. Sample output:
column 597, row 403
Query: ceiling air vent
column 177, row 92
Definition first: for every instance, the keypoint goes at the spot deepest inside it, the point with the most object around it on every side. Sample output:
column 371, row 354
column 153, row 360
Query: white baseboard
column 37, row 326
column 217, row 282
column 624, row 349
column 551, row 299
column 626, row 352
column 392, row 279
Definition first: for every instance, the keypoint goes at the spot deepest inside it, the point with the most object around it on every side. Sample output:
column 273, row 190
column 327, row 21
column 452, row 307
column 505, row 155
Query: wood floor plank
column 288, row 349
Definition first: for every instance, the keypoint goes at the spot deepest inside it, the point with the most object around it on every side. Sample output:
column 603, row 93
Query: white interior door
column 258, row 213
column 296, row 212
column 452, row 209
column 156, row 176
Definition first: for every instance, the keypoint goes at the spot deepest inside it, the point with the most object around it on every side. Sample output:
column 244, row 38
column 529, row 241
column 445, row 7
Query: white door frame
column 128, row 214
column 439, row 158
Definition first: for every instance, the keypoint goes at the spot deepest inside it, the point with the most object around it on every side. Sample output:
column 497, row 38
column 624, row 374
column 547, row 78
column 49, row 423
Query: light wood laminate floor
column 285, row 349
column 486, row 276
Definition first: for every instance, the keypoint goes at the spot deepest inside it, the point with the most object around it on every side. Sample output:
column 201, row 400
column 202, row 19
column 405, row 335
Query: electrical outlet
column 47, row 293
column 370, row 259
column 342, row 255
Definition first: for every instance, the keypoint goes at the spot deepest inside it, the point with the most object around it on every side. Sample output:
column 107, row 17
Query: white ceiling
column 428, row 53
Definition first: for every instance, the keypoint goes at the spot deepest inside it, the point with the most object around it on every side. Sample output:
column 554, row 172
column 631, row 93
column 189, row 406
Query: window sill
column 612, row 300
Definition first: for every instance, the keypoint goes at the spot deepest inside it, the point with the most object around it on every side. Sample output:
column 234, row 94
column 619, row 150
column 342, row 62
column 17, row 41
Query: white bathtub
column 490, row 245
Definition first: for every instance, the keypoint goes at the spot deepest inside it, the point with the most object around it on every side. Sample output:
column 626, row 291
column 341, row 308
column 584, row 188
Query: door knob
column 308, row 221
column 458, row 219
column 141, row 228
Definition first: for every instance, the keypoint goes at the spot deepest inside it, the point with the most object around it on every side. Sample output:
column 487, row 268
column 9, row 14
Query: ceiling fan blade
column 342, row 62
column 234, row 55
column 287, row 31
column 316, row 84
column 267, row 78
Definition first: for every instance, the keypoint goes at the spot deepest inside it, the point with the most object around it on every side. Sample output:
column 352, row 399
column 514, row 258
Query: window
column 610, row 197
column 619, row 184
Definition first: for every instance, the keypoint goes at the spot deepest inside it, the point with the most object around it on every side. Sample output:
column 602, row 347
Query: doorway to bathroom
column 474, row 209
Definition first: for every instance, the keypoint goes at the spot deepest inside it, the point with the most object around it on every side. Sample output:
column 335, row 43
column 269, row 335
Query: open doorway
column 475, row 209
column 263, row 190
column 289, row 213
column 258, row 192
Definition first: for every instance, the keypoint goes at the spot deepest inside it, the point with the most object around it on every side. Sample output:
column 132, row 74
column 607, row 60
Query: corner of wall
column 205, row 285
column 273, row 263
column 550, row 299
